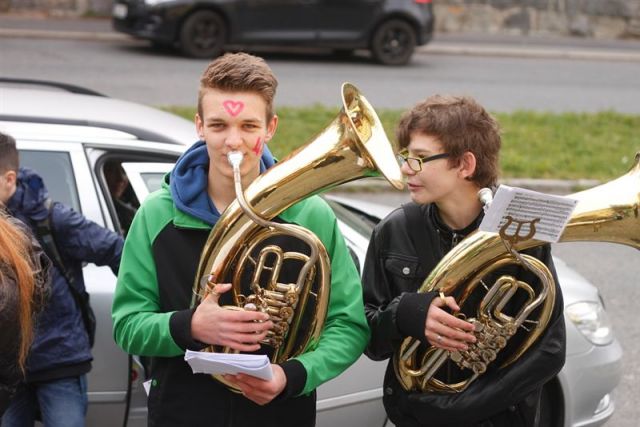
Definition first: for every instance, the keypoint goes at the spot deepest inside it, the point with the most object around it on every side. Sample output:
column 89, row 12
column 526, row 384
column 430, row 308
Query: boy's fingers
column 451, row 303
column 218, row 289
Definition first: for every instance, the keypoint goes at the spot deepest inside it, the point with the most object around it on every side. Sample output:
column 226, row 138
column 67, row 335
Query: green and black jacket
column 152, row 317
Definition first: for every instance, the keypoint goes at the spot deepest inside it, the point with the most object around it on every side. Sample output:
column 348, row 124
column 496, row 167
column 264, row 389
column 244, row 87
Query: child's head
column 240, row 72
column 116, row 178
column 461, row 125
column 235, row 112
column 9, row 164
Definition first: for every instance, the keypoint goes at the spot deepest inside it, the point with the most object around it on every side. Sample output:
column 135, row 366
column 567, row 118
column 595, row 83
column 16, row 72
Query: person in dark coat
column 24, row 281
column 449, row 151
column 60, row 356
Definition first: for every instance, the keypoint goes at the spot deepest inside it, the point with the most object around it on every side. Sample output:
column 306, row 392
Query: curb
column 552, row 186
column 437, row 48
column 63, row 35
column 529, row 52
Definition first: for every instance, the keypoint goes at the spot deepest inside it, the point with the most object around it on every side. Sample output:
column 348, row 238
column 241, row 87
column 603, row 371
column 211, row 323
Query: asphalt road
column 133, row 71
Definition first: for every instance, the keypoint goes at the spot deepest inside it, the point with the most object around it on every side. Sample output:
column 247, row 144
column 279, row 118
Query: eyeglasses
column 415, row 163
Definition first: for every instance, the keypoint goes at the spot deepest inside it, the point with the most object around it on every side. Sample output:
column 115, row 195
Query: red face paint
column 258, row 146
column 233, row 107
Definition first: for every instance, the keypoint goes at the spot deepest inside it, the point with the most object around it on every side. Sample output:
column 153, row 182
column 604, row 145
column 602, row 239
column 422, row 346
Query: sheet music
column 223, row 363
column 524, row 206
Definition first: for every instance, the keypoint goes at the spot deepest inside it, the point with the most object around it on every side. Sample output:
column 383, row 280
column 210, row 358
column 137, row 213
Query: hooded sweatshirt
column 152, row 305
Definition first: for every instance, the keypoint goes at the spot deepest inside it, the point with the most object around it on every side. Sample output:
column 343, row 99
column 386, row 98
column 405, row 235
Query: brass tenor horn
column 606, row 213
column 239, row 249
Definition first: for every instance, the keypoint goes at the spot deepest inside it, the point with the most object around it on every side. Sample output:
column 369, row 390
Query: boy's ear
column 272, row 126
column 10, row 177
column 199, row 126
column 468, row 165
column 8, row 185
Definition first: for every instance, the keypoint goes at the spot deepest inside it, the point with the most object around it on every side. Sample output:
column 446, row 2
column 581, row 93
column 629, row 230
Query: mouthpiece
column 486, row 197
column 235, row 158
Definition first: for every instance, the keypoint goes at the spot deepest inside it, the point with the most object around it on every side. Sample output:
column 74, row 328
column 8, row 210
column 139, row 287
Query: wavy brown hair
column 460, row 124
column 16, row 266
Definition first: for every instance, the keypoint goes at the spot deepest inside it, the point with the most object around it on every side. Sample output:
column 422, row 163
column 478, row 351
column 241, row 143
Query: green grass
column 535, row 145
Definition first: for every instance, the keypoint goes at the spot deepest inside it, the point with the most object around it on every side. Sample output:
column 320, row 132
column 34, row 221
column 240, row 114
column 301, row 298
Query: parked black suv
column 391, row 29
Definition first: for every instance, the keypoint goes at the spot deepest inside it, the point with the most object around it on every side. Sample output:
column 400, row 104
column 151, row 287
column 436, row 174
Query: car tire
column 203, row 35
column 393, row 42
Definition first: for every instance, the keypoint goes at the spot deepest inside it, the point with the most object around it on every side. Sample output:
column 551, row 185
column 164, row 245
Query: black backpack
column 45, row 236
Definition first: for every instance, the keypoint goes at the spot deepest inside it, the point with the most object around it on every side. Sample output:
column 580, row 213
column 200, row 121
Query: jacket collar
column 188, row 182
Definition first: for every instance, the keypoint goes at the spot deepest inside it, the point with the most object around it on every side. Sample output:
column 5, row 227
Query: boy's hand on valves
column 232, row 327
column 444, row 330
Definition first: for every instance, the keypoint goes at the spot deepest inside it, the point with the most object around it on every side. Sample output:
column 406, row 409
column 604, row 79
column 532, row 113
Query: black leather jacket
column 10, row 373
column 392, row 274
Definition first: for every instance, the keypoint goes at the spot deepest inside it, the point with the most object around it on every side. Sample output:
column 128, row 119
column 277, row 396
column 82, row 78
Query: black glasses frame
column 411, row 161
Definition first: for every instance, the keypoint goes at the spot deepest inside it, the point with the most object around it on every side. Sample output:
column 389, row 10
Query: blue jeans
column 61, row 402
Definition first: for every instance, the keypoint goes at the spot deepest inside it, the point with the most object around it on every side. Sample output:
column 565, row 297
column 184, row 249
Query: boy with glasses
column 449, row 151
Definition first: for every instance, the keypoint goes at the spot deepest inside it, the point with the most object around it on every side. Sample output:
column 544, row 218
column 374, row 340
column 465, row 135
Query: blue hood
column 29, row 199
column 188, row 182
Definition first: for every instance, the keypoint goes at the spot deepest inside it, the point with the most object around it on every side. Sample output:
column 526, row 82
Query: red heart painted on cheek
column 233, row 107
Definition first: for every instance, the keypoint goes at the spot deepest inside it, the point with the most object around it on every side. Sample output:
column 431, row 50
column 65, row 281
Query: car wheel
column 203, row 35
column 393, row 42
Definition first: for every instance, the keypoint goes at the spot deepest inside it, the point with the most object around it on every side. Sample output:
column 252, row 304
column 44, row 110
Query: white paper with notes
column 203, row 362
column 522, row 206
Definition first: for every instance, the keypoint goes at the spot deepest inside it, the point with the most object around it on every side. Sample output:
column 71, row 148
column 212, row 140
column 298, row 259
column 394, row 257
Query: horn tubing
column 353, row 146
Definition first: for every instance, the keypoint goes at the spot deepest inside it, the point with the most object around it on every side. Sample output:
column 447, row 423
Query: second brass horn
column 606, row 213
column 352, row 146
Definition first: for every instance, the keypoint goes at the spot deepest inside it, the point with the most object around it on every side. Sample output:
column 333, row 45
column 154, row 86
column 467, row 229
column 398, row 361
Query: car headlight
column 592, row 321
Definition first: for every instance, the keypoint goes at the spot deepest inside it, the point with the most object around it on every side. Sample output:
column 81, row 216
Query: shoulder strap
column 44, row 228
column 45, row 233
column 417, row 230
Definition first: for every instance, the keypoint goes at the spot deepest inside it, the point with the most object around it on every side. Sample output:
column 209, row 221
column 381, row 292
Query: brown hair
column 17, row 265
column 240, row 72
column 460, row 124
column 9, row 160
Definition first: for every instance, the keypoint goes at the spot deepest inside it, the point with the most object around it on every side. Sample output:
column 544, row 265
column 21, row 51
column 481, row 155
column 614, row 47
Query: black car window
column 359, row 223
column 57, row 172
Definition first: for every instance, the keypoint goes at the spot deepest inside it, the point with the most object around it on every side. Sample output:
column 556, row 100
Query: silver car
column 68, row 135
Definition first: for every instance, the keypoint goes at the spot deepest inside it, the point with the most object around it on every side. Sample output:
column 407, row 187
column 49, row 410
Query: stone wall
column 586, row 18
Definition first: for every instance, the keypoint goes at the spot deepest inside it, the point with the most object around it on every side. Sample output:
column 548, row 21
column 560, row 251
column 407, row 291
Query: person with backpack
column 55, row 388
